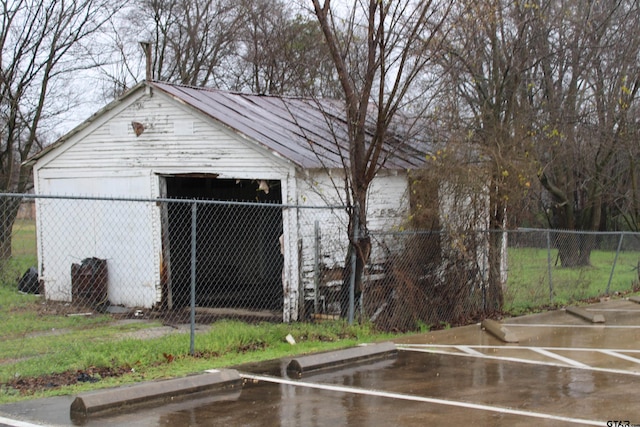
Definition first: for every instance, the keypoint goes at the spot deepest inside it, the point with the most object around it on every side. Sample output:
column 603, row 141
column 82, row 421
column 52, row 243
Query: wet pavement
column 563, row 371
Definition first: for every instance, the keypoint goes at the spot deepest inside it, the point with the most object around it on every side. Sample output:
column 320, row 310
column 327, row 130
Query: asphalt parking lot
column 563, row 370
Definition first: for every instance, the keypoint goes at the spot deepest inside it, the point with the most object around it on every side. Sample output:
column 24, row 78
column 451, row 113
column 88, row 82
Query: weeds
column 30, row 363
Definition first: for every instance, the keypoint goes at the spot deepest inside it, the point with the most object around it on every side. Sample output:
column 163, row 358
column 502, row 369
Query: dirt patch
column 31, row 385
column 55, row 308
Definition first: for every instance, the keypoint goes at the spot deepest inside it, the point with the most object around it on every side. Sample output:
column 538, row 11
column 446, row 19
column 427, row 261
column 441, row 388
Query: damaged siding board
column 387, row 210
column 158, row 147
column 318, row 188
column 290, row 277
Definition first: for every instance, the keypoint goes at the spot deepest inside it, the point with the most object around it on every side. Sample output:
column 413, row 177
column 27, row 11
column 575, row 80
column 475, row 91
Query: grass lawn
column 91, row 344
column 23, row 244
column 39, row 340
column 528, row 286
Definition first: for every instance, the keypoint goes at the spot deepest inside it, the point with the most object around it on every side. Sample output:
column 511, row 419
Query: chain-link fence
column 551, row 267
column 163, row 258
column 188, row 263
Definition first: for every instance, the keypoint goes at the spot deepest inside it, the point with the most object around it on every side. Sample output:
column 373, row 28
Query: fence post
column 549, row 266
column 352, row 279
column 487, row 273
column 615, row 260
column 194, row 216
column 316, row 264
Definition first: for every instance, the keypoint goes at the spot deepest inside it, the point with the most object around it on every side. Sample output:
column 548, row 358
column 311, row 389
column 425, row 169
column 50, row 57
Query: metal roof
column 311, row 133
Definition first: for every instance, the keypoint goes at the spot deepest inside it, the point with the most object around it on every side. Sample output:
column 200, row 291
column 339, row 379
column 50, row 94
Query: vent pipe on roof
column 146, row 46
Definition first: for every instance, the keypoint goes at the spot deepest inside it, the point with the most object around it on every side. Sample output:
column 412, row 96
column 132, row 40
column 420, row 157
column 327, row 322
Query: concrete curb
column 635, row 299
column 152, row 392
column 499, row 331
column 580, row 312
column 340, row 358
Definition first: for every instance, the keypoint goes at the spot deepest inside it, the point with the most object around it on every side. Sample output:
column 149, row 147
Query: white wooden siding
column 120, row 232
column 107, row 159
column 388, row 211
column 388, row 207
column 112, row 146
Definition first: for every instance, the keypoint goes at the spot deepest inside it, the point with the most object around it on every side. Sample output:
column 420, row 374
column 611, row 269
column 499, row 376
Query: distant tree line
column 257, row 46
column 545, row 93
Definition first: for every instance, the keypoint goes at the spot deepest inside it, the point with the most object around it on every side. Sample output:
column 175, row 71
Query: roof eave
column 82, row 126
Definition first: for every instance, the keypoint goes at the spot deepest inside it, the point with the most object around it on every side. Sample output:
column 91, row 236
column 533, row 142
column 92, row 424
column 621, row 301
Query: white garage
column 163, row 141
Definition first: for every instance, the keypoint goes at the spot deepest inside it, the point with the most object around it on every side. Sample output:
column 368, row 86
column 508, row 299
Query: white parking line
column 468, row 350
column 519, row 347
column 456, row 403
column 520, row 360
column 621, row 356
column 566, row 360
column 542, row 325
column 17, row 423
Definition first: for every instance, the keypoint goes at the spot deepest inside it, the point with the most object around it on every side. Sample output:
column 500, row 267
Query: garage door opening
column 238, row 262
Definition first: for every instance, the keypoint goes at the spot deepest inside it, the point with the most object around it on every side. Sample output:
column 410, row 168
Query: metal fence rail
column 569, row 266
column 191, row 262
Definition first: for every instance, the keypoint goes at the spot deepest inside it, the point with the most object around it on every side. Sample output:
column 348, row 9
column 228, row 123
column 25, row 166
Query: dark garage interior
column 238, row 261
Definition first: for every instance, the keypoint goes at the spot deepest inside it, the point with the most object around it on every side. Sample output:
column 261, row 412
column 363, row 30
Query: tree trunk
column 574, row 250
column 361, row 243
column 494, row 296
column 568, row 249
column 8, row 212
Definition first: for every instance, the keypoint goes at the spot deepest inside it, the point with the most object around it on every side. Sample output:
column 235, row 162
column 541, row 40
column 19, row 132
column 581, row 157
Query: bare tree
column 484, row 63
column 120, row 62
column 548, row 92
column 588, row 79
column 257, row 46
column 190, row 39
column 399, row 38
column 625, row 199
column 42, row 43
column 281, row 52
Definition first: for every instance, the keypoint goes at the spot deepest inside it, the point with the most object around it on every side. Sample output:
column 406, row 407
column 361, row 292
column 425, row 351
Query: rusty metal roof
column 311, row 133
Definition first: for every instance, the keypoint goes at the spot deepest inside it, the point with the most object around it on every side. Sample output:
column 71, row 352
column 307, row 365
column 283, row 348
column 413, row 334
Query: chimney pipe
column 146, row 46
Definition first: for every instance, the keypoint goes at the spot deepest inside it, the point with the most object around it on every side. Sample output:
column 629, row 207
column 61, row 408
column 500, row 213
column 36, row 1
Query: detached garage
column 162, row 141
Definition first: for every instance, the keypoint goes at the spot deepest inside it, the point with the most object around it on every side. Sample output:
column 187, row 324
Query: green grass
column 24, row 237
column 23, row 247
column 226, row 344
column 528, row 278
column 37, row 341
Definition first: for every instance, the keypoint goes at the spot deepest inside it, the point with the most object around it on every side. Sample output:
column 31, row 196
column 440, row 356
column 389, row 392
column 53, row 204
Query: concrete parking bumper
column 499, row 331
column 154, row 392
column 586, row 315
column 339, row 358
